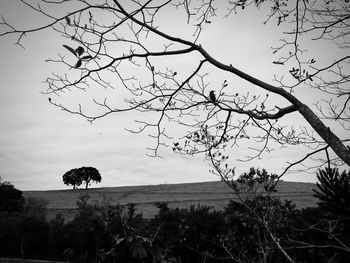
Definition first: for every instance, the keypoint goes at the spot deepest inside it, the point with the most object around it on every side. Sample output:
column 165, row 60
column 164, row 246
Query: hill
column 216, row 194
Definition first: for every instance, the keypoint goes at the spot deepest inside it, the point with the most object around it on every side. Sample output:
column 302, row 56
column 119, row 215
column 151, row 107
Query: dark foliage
column 71, row 178
column 240, row 233
column 334, row 191
column 189, row 235
column 11, row 199
column 35, row 206
column 77, row 176
column 23, row 236
column 322, row 236
column 247, row 234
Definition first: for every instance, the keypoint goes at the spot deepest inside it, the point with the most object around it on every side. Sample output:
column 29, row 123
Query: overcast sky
column 39, row 143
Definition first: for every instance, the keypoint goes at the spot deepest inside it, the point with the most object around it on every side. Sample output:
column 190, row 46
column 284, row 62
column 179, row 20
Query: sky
column 39, row 142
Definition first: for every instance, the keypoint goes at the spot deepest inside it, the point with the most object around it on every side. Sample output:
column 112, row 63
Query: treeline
column 257, row 229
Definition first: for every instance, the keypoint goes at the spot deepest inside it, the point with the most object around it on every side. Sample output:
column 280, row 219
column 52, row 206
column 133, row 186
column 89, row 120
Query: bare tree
column 122, row 46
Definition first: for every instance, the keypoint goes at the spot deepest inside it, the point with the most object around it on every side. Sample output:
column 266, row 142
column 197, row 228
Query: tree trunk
column 326, row 134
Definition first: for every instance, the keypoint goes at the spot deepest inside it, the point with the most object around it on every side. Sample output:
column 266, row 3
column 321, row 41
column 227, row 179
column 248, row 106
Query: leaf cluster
column 334, row 191
column 78, row 52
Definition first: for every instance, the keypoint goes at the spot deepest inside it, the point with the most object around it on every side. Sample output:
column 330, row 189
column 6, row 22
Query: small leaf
column 67, row 20
column 70, row 49
column 79, row 50
column 88, row 57
column 78, row 64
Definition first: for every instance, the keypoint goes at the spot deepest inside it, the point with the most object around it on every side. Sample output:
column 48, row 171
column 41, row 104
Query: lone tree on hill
column 77, row 176
column 161, row 66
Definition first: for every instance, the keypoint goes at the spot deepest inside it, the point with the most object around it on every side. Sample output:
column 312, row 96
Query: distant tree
column 89, row 174
column 77, row 176
column 334, row 191
column 11, row 199
column 71, row 178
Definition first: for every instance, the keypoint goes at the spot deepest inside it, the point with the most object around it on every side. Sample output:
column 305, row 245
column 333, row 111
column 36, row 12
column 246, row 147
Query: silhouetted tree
column 71, row 178
column 88, row 175
column 259, row 116
column 77, row 176
column 11, row 199
column 334, row 191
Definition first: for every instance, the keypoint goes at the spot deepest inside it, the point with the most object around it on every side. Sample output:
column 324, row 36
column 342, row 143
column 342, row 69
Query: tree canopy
column 77, row 176
column 333, row 191
column 11, row 199
column 71, row 178
column 135, row 49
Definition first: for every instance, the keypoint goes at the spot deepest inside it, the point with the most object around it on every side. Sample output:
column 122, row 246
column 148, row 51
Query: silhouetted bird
column 49, row 99
column 212, row 96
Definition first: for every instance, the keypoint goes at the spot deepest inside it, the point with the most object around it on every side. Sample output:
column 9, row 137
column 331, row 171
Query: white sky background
column 39, row 143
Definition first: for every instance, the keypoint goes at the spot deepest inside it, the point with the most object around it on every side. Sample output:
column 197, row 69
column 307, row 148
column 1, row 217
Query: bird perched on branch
column 212, row 96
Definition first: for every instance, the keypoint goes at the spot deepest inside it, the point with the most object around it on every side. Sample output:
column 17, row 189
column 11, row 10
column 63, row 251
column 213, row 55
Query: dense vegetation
column 257, row 229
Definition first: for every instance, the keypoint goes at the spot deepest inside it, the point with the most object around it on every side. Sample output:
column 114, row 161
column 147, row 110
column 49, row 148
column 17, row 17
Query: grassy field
column 215, row 194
